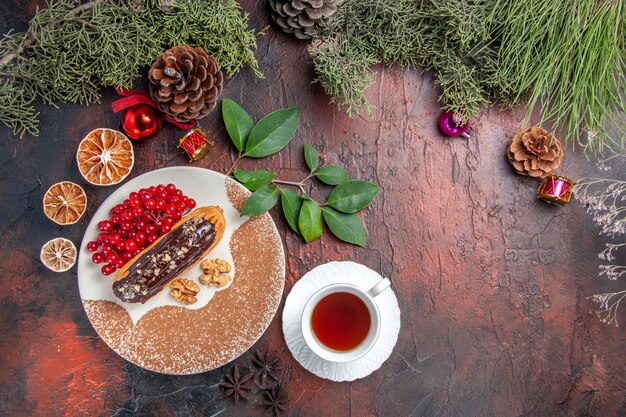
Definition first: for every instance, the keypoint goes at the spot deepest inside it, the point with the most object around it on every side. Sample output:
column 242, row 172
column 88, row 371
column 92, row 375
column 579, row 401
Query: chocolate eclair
column 190, row 239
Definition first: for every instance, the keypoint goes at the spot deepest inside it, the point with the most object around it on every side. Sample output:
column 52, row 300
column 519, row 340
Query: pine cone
column 301, row 17
column 185, row 83
column 535, row 152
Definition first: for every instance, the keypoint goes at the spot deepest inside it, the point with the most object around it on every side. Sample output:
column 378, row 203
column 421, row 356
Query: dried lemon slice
column 58, row 254
column 65, row 202
column 105, row 157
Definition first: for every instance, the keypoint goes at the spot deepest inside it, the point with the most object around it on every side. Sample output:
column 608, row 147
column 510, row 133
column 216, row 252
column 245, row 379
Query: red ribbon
column 134, row 97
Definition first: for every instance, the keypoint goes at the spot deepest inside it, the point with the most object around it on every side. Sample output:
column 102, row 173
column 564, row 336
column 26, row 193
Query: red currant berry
column 102, row 237
column 107, row 248
column 141, row 237
column 181, row 206
column 165, row 229
column 126, row 203
column 135, row 202
column 152, row 190
column 174, row 200
column 125, row 225
column 98, row 257
column 120, row 247
column 93, row 246
column 120, row 262
column 177, row 216
column 170, row 208
column 140, row 224
column 131, row 245
column 178, row 193
column 169, row 221
column 127, row 215
column 145, row 196
column 149, row 204
column 163, row 195
column 108, row 269
column 170, row 188
column 151, row 228
column 190, row 203
column 152, row 237
column 105, row 225
column 116, row 219
column 112, row 258
column 137, row 212
column 160, row 204
column 127, row 256
column 160, row 188
column 115, row 239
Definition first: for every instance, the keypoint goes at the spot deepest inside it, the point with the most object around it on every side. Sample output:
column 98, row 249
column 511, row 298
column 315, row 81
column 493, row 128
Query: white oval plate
column 207, row 188
column 311, row 282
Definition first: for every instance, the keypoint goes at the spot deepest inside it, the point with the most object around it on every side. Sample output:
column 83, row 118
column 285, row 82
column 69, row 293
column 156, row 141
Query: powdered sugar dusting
column 177, row 340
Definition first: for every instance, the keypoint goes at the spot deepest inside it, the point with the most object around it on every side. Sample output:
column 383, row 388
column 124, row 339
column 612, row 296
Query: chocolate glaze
column 179, row 249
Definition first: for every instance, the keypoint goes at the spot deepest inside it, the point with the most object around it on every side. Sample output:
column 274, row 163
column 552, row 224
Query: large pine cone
column 300, row 17
column 535, row 152
column 185, row 83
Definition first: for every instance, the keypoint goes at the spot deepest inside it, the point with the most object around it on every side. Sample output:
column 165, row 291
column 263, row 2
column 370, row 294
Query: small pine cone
column 301, row 17
column 185, row 83
column 535, row 152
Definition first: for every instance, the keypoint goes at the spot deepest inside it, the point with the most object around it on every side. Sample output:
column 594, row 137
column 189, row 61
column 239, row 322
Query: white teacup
column 367, row 296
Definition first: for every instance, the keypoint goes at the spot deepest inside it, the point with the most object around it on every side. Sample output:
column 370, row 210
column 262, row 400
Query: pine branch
column 71, row 50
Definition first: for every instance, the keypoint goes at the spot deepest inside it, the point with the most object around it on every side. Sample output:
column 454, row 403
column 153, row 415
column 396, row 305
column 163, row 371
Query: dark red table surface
column 491, row 282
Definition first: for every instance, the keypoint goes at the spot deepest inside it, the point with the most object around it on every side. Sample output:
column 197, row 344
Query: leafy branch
column 304, row 215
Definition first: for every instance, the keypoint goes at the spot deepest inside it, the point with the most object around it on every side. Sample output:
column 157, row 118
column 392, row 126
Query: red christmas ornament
column 195, row 144
column 451, row 124
column 141, row 121
column 556, row 190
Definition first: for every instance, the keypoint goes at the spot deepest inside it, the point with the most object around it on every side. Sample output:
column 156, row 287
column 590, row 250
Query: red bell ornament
column 141, row 121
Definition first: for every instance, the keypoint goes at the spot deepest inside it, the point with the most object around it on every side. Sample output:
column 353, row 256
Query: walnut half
column 214, row 272
column 184, row 290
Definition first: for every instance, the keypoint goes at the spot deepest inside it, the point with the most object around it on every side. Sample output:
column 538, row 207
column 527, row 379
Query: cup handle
column 380, row 286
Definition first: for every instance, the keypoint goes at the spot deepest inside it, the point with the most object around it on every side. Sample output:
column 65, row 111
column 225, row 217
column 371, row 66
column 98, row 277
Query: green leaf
column 260, row 201
column 310, row 156
column 332, row 175
column 238, row 123
column 352, row 196
column 347, row 227
column 272, row 133
column 310, row 221
column 253, row 180
column 292, row 203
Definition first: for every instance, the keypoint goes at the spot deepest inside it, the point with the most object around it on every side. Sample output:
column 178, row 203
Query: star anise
column 236, row 385
column 267, row 369
column 275, row 401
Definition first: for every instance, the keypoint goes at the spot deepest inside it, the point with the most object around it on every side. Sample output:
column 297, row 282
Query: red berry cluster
column 136, row 223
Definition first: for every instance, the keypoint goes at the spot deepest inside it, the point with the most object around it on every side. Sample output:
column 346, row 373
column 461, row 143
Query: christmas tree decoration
column 556, row 190
column 452, row 124
column 64, row 203
column 185, row 83
column 195, row 144
column 141, row 122
column 58, row 254
column 105, row 157
column 302, row 17
column 535, row 152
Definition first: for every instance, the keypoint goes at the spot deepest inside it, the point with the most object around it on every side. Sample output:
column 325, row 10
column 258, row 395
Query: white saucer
column 331, row 273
